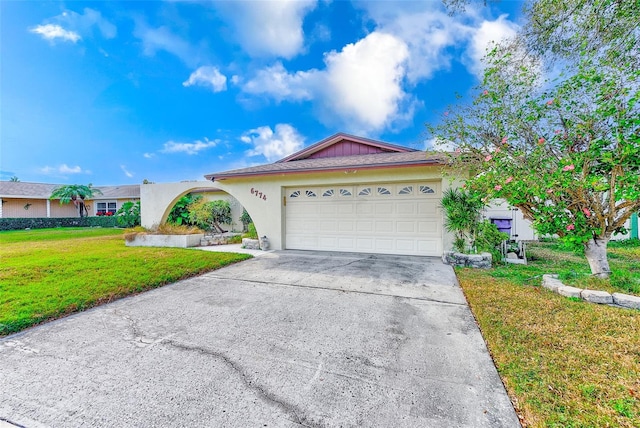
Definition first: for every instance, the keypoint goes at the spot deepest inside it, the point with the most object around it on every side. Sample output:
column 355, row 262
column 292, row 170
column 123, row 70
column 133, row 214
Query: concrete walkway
column 288, row 339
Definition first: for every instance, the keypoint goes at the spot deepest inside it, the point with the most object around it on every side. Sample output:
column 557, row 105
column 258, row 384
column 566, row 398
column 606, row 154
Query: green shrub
column 245, row 218
column 180, row 212
column 49, row 223
column 210, row 215
column 252, row 233
column 129, row 214
column 489, row 238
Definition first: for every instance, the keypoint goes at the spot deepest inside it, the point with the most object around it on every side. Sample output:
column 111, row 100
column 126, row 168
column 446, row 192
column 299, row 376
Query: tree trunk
column 595, row 250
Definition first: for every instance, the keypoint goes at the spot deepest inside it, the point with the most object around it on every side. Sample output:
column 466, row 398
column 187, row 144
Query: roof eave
column 223, row 176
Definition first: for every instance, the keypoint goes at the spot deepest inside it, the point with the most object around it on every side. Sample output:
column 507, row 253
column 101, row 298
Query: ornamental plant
column 566, row 152
column 179, row 214
column 129, row 214
column 75, row 193
column 210, row 215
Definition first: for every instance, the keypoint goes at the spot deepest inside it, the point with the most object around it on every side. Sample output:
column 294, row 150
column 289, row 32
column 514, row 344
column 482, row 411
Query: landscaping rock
column 551, row 282
column 218, row 239
column 596, row 296
column 482, row 260
column 632, row 302
column 250, row 244
column 568, row 291
column 512, row 256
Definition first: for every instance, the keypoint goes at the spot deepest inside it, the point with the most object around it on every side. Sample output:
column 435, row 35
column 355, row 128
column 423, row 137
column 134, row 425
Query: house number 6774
column 258, row 194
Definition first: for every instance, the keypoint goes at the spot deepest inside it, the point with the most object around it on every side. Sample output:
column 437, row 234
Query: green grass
column 565, row 362
column 50, row 273
column 573, row 269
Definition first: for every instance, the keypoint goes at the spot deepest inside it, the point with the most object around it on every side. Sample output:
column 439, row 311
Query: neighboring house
column 510, row 221
column 30, row 200
column 344, row 193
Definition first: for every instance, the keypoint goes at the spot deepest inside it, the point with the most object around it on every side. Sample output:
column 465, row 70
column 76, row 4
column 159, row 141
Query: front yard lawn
column 50, row 273
column 565, row 363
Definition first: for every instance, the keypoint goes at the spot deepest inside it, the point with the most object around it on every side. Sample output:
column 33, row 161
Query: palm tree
column 75, row 193
column 14, row 179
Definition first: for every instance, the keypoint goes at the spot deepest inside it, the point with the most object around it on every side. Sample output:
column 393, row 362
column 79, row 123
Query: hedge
column 46, row 223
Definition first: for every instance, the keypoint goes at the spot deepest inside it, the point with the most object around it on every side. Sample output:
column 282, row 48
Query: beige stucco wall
column 269, row 215
column 157, row 199
column 12, row 208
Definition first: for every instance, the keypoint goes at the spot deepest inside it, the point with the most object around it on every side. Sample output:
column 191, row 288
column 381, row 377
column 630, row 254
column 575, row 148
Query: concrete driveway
column 287, row 339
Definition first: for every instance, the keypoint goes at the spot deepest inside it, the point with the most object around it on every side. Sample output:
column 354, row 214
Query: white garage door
column 374, row 218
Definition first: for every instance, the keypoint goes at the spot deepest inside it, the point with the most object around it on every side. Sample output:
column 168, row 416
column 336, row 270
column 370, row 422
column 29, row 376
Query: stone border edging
column 551, row 282
column 453, row 258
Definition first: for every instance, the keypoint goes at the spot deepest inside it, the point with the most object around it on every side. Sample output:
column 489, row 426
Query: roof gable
column 340, row 145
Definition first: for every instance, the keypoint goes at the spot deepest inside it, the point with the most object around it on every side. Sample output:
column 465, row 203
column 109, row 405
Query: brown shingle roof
column 377, row 160
column 19, row 189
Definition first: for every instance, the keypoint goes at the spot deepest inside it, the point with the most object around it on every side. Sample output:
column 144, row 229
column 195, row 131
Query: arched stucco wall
column 157, row 199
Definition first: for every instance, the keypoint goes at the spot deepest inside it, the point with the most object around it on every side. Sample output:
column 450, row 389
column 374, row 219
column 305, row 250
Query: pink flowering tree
column 565, row 152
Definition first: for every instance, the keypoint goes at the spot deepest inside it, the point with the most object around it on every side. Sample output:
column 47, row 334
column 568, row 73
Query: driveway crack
column 341, row 290
column 245, row 378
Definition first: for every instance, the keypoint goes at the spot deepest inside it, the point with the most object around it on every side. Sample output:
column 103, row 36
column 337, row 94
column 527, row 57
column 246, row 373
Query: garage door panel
column 346, row 208
column 346, row 225
column 364, row 226
column 365, row 209
column 384, row 226
column 378, row 222
column 365, row 244
column 384, row 208
column 427, row 208
column 406, row 208
column 428, row 227
column 327, row 209
column 327, row 242
column 327, row 226
column 405, row 244
column 346, row 244
column 384, row 245
column 406, row 226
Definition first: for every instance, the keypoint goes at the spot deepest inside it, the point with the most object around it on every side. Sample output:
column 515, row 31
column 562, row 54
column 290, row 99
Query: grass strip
column 50, row 273
column 565, row 362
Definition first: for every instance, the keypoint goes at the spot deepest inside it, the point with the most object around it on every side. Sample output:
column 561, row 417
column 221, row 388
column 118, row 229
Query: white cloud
column 127, row 173
column 85, row 22
column 278, row 83
column 273, row 145
column 188, row 148
column 69, row 25
column 162, row 39
column 63, row 169
column 427, row 30
column 484, row 38
column 268, row 28
column 365, row 80
column 148, row 155
column 207, row 76
column 53, row 31
column 360, row 89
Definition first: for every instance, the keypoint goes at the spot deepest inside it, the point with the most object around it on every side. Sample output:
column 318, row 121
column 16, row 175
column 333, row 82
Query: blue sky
column 118, row 92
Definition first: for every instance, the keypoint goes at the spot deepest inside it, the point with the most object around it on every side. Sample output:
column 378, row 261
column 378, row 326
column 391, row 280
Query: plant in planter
column 462, row 210
column 210, row 215
column 180, row 212
column 472, row 234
